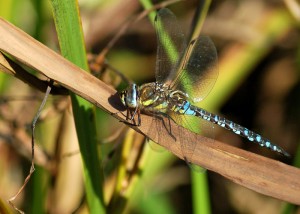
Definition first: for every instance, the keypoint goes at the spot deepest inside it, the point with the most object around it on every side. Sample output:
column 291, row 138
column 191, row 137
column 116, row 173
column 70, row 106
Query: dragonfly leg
column 139, row 117
column 134, row 113
column 127, row 114
column 130, row 117
column 138, row 113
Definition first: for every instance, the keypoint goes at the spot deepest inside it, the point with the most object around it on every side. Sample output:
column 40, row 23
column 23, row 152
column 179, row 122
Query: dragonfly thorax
column 153, row 96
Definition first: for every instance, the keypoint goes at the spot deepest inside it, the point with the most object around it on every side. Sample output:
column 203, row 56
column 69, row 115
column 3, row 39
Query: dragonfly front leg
column 130, row 116
column 138, row 113
column 127, row 114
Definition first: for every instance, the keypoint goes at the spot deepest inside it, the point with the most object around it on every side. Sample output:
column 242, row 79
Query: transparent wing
column 194, row 124
column 161, row 128
column 170, row 45
column 198, row 69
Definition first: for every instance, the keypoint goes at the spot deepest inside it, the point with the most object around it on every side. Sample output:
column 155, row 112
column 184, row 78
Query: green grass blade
column 200, row 193
column 147, row 5
column 168, row 45
column 69, row 30
column 201, row 202
column 199, row 185
column 39, row 191
column 7, row 9
column 199, row 18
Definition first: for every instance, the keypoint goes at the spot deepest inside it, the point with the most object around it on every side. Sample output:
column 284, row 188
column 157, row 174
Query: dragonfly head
column 129, row 97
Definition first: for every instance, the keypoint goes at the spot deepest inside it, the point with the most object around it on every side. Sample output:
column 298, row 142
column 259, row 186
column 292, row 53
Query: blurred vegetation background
column 258, row 87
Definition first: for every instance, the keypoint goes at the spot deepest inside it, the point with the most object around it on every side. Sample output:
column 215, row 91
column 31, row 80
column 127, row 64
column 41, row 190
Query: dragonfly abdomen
column 235, row 128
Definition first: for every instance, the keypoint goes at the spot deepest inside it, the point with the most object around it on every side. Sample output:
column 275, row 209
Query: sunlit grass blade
column 69, row 31
column 198, row 182
column 199, row 185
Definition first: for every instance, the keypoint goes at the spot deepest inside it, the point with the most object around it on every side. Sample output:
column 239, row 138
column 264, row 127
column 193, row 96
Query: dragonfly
column 184, row 76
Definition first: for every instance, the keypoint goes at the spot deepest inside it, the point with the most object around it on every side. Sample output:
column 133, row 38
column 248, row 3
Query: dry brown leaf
column 255, row 172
